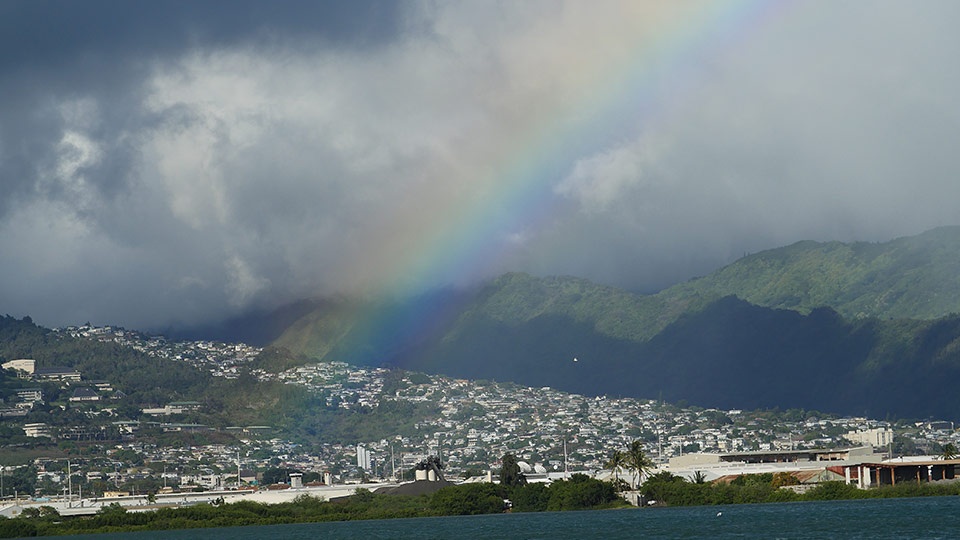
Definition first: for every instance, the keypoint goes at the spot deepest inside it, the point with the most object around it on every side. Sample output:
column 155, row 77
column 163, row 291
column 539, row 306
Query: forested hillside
column 855, row 328
column 914, row 277
column 142, row 378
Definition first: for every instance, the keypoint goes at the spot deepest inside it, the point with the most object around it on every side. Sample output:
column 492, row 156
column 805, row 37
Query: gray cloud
column 179, row 162
column 836, row 125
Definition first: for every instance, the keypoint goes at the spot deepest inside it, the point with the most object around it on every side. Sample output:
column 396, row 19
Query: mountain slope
column 731, row 354
column 372, row 332
column 851, row 328
column 914, row 277
column 518, row 298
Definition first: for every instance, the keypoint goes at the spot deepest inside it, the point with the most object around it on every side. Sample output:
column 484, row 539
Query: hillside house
column 84, row 394
column 56, row 373
column 38, row 429
column 30, row 395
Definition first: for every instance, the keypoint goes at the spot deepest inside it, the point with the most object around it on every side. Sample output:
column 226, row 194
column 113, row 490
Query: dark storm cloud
column 51, row 50
column 57, row 33
column 74, row 76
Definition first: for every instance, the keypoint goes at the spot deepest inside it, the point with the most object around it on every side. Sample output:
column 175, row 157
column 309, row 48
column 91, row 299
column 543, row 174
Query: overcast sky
column 178, row 162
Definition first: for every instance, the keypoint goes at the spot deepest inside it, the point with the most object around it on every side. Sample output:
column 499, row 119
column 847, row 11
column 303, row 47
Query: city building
column 30, row 394
column 363, row 457
column 56, row 373
column 38, row 429
column 877, row 437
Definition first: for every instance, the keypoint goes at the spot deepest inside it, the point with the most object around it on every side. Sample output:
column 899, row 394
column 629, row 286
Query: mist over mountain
column 257, row 327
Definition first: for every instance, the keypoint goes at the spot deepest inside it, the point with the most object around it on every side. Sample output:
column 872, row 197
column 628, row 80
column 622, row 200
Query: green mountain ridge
column 907, row 278
column 915, row 277
column 518, row 298
column 853, row 326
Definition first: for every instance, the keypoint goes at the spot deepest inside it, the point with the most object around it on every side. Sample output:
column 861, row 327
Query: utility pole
column 239, row 474
column 566, row 472
column 659, row 441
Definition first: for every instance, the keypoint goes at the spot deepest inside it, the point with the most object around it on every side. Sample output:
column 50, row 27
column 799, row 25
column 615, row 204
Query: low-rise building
column 83, row 394
column 176, row 407
column 30, row 394
column 56, row 373
column 37, row 429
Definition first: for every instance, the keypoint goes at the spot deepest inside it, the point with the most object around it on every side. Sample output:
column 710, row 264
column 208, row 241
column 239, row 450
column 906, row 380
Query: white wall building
column 878, row 437
column 363, row 457
column 38, row 429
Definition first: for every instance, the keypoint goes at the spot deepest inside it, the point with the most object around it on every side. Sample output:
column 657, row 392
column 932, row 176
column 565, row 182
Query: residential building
column 30, row 394
column 84, row 394
column 877, row 437
column 38, row 429
column 56, row 373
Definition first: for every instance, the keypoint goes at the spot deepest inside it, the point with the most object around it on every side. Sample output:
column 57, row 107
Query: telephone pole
column 566, row 472
column 393, row 464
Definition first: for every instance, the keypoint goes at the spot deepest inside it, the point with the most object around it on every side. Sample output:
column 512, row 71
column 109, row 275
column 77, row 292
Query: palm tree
column 638, row 462
column 699, row 477
column 949, row 451
column 618, row 460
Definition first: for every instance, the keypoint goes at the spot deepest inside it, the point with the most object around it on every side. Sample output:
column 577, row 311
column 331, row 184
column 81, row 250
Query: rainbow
column 610, row 100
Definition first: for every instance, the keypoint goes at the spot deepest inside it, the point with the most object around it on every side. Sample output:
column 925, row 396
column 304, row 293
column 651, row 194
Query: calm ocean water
column 933, row 517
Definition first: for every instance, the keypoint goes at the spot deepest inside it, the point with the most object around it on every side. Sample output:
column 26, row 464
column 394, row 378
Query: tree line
column 580, row 492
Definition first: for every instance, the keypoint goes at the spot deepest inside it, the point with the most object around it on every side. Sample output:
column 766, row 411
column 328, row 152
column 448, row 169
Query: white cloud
column 600, row 181
column 242, row 284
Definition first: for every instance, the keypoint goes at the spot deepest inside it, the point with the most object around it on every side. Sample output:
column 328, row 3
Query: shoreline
column 304, row 505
